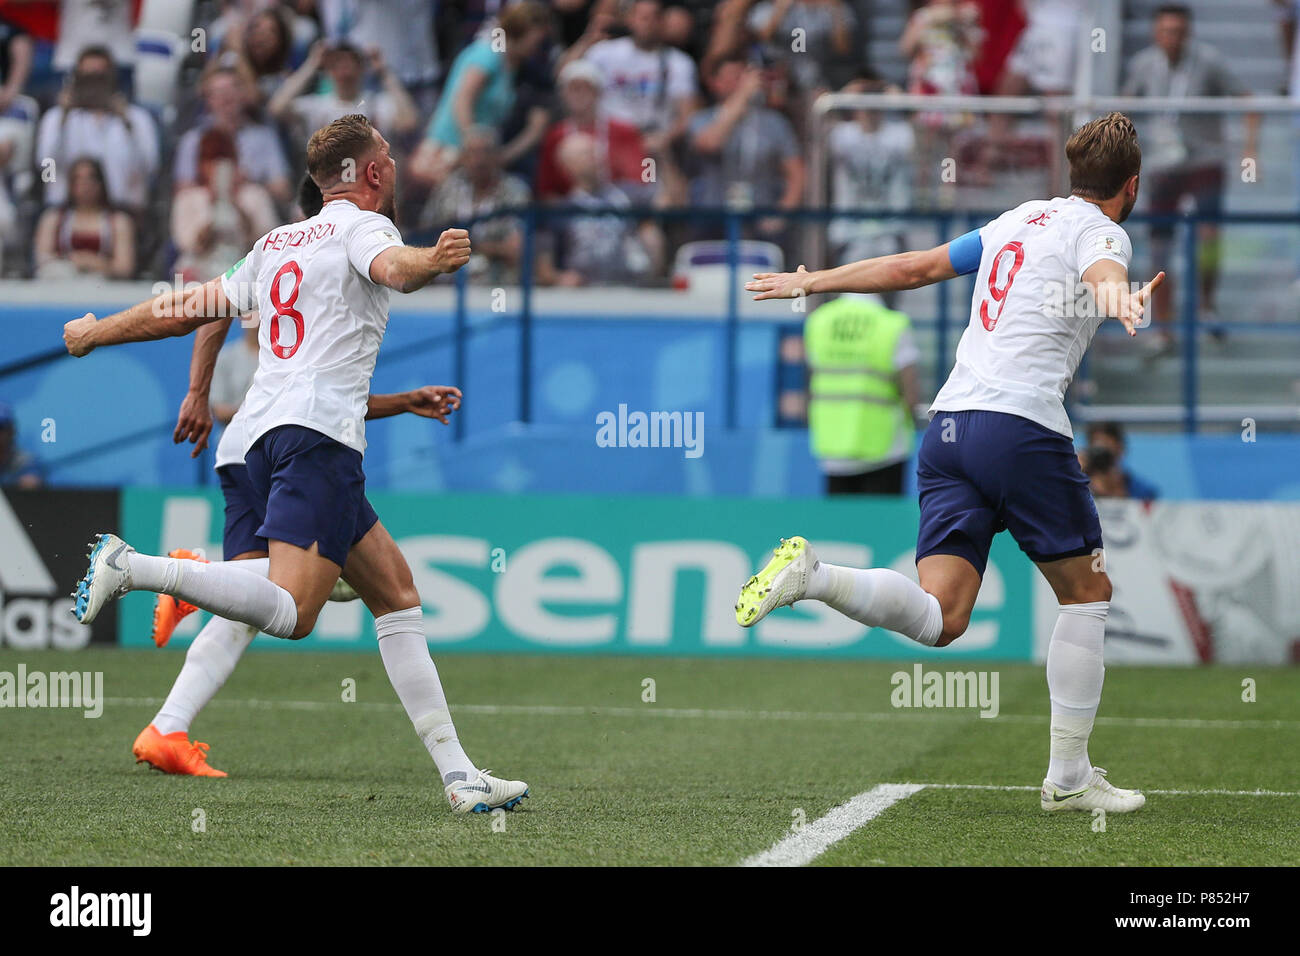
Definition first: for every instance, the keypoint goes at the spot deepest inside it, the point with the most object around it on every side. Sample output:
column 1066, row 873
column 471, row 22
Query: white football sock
column 209, row 661
column 1075, row 672
column 879, row 597
column 230, row 589
column 415, row 678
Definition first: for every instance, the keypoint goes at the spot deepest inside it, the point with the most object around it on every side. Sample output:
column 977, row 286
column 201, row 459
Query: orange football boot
column 173, row 753
column 169, row 611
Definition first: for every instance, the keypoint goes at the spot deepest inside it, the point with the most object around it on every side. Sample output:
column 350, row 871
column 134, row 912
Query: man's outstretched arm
column 169, row 314
column 1115, row 298
column 905, row 270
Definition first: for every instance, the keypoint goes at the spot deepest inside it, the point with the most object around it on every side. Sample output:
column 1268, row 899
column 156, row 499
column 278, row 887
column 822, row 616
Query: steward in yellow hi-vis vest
column 862, row 386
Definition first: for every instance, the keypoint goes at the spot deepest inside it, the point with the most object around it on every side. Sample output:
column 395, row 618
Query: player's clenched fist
column 76, row 335
column 452, row 250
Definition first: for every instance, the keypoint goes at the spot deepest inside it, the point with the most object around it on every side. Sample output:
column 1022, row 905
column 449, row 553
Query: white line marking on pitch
column 814, row 839
column 811, row 841
column 1161, row 793
column 689, row 713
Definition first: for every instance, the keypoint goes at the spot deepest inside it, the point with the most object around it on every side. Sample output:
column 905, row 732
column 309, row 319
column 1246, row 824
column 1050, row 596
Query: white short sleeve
column 367, row 237
column 239, row 282
column 1102, row 240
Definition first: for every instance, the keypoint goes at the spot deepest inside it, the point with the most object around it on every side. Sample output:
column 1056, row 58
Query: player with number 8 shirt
column 998, row 453
column 322, row 289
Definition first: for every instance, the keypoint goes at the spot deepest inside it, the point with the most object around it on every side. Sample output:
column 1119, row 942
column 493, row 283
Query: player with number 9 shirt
column 998, row 453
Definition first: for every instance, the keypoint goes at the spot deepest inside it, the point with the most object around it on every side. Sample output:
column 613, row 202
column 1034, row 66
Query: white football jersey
column 1029, row 325
column 322, row 320
column 230, row 449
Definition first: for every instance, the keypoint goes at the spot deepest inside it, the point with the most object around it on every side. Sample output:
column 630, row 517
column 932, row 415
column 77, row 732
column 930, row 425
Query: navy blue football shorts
column 995, row 472
column 243, row 517
column 307, row 488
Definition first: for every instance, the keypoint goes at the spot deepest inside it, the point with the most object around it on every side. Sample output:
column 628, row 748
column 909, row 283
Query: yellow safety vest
column 855, row 408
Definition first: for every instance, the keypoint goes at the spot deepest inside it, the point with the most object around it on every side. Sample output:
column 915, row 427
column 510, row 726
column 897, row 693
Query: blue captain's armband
column 964, row 252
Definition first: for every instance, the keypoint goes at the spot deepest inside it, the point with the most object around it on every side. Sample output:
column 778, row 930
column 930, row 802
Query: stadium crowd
column 594, row 104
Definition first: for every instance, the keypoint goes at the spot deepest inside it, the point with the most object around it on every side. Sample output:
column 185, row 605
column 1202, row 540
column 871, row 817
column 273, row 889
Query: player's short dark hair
column 1173, row 10
column 1112, row 430
column 348, row 137
column 1103, row 156
column 310, row 200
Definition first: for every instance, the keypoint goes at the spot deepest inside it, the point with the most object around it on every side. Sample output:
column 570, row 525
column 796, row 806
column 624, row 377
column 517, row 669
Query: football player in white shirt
column 321, row 288
column 998, row 453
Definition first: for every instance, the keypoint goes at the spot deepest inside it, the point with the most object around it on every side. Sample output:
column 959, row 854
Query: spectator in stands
column 583, row 22
column 620, row 151
column 403, row 29
column 392, row 111
column 216, row 219
column 597, row 249
column 871, row 158
column 261, row 160
column 478, row 187
column 1109, row 436
column 17, row 125
column 226, row 33
column 940, row 42
column 480, row 92
column 1042, row 62
column 105, row 24
column 18, row 469
column 15, row 64
column 266, row 43
column 1183, row 154
column 747, row 153
column 652, row 87
column 94, row 119
column 85, row 236
column 1105, row 480
column 828, row 29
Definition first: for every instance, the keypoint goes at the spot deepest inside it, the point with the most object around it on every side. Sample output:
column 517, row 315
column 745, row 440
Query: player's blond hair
column 348, row 137
column 1103, row 155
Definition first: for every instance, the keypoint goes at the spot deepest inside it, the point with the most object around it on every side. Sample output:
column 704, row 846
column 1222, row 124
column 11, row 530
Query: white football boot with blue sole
column 108, row 577
column 485, row 793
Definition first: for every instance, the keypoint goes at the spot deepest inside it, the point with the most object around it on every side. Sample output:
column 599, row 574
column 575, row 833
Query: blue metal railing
column 732, row 223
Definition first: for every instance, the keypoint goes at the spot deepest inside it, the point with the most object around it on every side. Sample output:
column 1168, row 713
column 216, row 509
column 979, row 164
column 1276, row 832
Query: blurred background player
column 862, row 390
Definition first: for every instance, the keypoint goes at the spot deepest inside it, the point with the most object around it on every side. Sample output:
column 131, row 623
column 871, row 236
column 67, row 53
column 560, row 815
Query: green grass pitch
column 715, row 770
